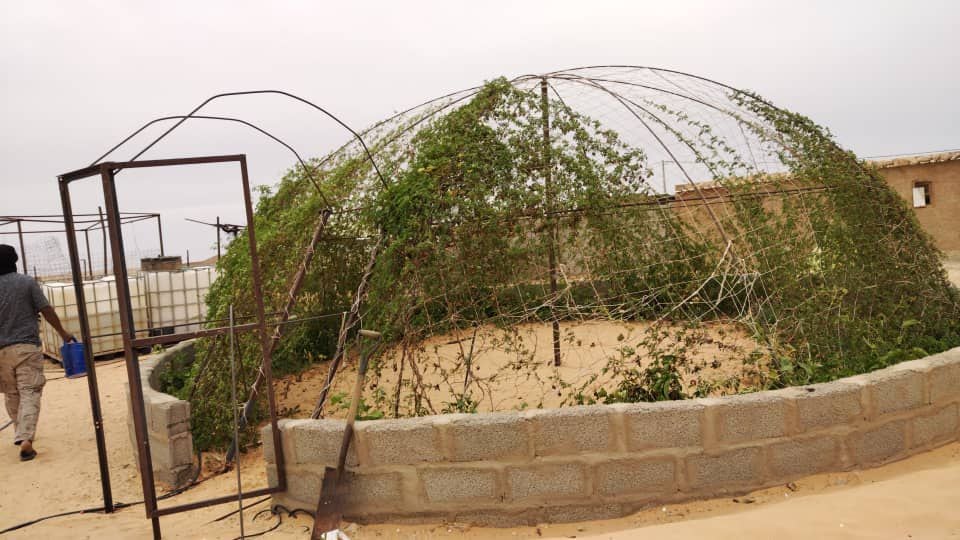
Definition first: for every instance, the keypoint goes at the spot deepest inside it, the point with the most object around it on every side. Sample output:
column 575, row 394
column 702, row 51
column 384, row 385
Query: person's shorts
column 14, row 356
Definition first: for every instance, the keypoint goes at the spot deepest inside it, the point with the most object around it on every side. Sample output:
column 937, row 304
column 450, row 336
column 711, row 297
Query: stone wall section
column 168, row 420
column 602, row 461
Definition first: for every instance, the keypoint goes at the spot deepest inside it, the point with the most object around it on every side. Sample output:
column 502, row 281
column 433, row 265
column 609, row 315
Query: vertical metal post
column 160, row 233
column 267, row 365
column 129, row 333
column 23, row 253
column 103, row 232
column 86, row 237
column 551, row 226
column 218, row 238
column 88, row 350
column 236, row 418
column 663, row 174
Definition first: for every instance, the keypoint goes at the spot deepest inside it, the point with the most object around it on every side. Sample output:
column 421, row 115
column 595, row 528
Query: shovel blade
column 327, row 517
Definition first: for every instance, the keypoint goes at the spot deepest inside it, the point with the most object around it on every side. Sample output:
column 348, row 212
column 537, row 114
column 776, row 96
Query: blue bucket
column 74, row 361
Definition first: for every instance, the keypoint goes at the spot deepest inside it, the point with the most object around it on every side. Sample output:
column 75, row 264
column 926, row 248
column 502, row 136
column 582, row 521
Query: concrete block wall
column 168, row 420
column 608, row 460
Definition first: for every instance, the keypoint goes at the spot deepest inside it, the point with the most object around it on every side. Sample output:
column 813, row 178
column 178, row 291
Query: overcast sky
column 77, row 77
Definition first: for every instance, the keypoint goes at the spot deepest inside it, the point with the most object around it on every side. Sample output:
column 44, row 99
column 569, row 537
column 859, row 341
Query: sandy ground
column 512, row 370
column 915, row 498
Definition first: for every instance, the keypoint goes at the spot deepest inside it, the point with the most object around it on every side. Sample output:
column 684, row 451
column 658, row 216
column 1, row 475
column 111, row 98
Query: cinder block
column 750, row 417
column 155, row 410
column 171, row 415
column 405, row 441
column 940, row 426
column 895, row 390
column 384, row 490
column 636, row 476
column 734, row 468
column 273, row 480
column 944, row 379
column 665, row 424
column 458, row 484
column 803, row 457
column 304, row 485
column 178, row 412
column 878, row 444
column 497, row 518
column 547, row 481
column 481, row 437
column 319, row 441
column 266, row 437
column 173, row 452
column 824, row 405
column 583, row 512
column 572, row 430
column 182, row 448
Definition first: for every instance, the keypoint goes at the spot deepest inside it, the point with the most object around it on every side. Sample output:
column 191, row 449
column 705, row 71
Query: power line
column 914, row 153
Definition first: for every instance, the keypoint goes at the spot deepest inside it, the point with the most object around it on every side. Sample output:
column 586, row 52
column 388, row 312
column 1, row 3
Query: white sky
column 76, row 77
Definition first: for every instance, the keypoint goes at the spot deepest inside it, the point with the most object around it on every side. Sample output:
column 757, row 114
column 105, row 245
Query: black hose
column 272, row 512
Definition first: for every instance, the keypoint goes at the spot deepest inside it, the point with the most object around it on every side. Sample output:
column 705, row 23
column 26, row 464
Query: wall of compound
column 609, row 460
column 168, row 419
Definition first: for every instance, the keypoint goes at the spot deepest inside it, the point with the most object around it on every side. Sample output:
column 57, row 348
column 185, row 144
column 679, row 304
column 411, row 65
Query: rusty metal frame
column 131, row 343
column 92, row 222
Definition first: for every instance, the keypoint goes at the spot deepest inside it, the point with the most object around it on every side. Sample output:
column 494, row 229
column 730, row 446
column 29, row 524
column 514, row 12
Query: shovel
column 326, row 524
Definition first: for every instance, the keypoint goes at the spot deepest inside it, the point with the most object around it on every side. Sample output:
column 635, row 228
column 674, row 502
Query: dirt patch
column 513, row 369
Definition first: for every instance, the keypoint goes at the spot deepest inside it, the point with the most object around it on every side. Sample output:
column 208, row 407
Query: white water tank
column 176, row 300
column 103, row 313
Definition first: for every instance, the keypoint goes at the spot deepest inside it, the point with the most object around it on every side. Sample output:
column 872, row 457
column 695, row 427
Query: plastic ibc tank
column 103, row 313
column 63, row 301
column 176, row 299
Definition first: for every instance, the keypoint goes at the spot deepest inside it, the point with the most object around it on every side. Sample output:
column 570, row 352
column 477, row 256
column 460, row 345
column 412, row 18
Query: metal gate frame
column 107, row 172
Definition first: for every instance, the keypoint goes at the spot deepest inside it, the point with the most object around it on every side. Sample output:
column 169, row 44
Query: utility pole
column 551, row 225
column 23, row 253
column 160, row 234
column 103, row 231
column 218, row 238
column 86, row 237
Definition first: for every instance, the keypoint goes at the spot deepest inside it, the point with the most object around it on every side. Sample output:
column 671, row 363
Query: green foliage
column 821, row 261
column 873, row 291
column 172, row 377
column 340, row 401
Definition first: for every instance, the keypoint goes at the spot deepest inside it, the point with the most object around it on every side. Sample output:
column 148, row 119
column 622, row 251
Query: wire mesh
column 696, row 238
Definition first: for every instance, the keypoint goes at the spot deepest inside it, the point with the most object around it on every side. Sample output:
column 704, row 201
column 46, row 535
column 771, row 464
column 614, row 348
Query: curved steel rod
column 192, row 114
column 184, row 118
column 623, row 101
column 663, row 70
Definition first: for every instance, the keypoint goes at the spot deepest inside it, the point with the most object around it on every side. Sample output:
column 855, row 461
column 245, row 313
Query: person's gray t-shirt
column 21, row 299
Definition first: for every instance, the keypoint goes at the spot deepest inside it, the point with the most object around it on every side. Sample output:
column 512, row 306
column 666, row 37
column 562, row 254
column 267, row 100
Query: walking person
column 21, row 362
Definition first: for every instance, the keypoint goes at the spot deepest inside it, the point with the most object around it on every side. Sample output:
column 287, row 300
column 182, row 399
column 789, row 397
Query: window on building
column 921, row 194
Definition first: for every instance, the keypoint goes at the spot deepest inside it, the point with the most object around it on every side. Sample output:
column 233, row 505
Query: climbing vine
column 503, row 209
